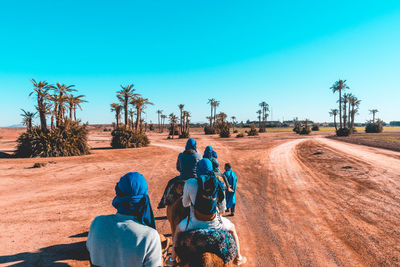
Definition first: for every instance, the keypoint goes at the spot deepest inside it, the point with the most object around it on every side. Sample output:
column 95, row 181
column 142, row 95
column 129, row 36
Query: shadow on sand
column 49, row 256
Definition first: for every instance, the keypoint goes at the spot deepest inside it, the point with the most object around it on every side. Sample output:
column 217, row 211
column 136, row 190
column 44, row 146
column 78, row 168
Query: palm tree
column 373, row 112
column 159, row 113
column 131, row 118
column 172, row 120
column 216, row 104
column 77, row 103
column 42, row 92
column 355, row 103
column 61, row 92
column 211, row 102
column 233, row 122
column 27, row 119
column 181, row 106
column 338, row 87
column 125, row 95
column 334, row 113
column 259, row 117
column 345, row 100
column 163, row 117
column 265, row 108
column 117, row 108
column 140, row 104
column 222, row 117
column 186, row 116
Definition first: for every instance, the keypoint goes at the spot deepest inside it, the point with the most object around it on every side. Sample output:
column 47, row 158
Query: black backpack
column 208, row 194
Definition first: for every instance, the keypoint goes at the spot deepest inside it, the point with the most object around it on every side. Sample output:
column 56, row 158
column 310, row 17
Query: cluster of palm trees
column 130, row 104
column 213, row 115
column 348, row 106
column 161, row 120
column 184, row 121
column 55, row 100
column 263, row 114
column 373, row 112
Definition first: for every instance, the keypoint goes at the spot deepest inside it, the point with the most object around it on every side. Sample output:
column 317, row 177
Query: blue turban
column 208, row 152
column 191, row 144
column 204, row 167
column 214, row 154
column 132, row 198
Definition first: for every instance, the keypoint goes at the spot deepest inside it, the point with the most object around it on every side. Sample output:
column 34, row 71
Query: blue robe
column 231, row 196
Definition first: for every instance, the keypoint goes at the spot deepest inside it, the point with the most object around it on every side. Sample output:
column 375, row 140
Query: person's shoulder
column 103, row 218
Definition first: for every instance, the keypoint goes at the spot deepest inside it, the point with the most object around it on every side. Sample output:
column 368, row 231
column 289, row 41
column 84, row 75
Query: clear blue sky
column 287, row 53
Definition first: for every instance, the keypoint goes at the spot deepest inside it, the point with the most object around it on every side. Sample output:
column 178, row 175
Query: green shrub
column 184, row 135
column 343, row 132
column 262, row 130
column 297, row 127
column 305, row 130
column 239, row 135
column 235, row 131
column 126, row 138
column 253, row 131
column 209, row 130
column 374, row 127
column 224, row 130
column 315, row 127
column 70, row 139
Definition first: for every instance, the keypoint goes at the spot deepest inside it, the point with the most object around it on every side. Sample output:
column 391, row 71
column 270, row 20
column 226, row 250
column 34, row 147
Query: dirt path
column 301, row 201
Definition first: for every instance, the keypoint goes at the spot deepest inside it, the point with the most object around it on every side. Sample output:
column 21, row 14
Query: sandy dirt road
column 301, row 201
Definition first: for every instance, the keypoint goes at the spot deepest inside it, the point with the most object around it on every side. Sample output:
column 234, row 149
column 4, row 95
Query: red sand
column 295, row 208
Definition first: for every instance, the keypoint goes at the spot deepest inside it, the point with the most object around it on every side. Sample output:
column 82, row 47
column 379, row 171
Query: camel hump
column 195, row 244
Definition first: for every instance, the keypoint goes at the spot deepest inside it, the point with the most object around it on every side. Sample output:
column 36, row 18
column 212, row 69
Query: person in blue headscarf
column 186, row 165
column 129, row 237
column 199, row 217
column 211, row 154
column 230, row 195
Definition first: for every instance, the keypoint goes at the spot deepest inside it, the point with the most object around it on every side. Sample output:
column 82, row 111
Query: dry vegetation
column 387, row 140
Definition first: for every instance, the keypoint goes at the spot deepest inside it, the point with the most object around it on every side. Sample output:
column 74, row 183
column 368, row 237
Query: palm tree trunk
column 340, row 107
column 74, row 112
column 70, row 112
column 334, row 120
column 138, row 119
column 211, row 115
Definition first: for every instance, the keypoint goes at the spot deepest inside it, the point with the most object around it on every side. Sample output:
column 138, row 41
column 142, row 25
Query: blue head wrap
column 204, row 167
column 214, row 154
column 132, row 198
column 208, row 152
column 191, row 144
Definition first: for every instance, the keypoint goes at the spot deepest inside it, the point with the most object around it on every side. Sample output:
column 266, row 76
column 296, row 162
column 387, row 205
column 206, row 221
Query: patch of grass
column 386, row 140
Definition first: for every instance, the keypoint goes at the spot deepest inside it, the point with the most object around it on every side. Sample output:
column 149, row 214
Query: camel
column 175, row 214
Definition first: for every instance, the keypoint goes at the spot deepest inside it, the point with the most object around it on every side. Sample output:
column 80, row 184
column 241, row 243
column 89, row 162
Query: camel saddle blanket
column 191, row 244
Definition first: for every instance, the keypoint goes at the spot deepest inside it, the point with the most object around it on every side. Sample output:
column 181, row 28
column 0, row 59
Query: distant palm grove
column 66, row 135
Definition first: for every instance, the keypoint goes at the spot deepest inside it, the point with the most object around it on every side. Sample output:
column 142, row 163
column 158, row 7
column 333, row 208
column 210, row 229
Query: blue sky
column 287, row 53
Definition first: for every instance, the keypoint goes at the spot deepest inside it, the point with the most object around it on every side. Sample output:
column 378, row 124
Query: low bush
column 343, row 132
column 374, row 127
column 239, row 135
column 209, row 130
column 315, row 127
column 126, row 138
column 305, row 130
column 70, row 139
column 224, row 130
column 184, row 135
column 235, row 131
column 297, row 127
column 253, row 131
column 262, row 130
